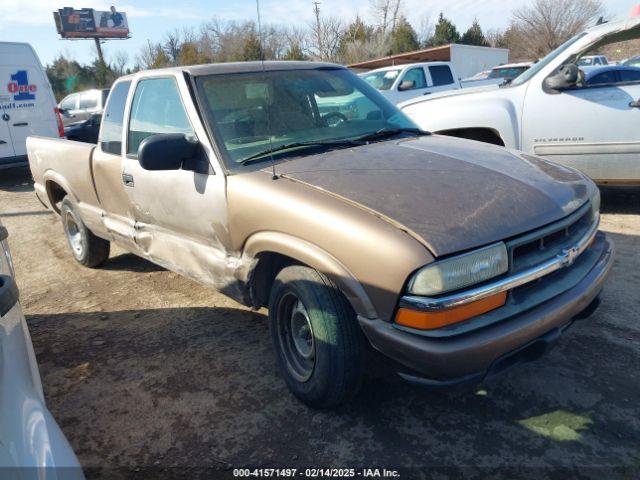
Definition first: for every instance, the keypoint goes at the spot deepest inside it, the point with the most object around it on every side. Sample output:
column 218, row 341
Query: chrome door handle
column 127, row 179
column 21, row 124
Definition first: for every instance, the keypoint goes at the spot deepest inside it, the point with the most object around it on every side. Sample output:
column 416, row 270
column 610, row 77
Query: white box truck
column 27, row 104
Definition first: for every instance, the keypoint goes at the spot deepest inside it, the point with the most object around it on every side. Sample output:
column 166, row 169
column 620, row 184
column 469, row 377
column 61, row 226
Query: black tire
column 87, row 249
column 324, row 368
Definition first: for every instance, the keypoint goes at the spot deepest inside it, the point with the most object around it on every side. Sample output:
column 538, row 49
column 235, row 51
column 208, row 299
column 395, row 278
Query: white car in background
column 593, row 61
column 497, row 75
column 32, row 446
column 550, row 111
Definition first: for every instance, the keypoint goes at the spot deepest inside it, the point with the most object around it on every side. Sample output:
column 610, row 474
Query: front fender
column 314, row 257
column 464, row 111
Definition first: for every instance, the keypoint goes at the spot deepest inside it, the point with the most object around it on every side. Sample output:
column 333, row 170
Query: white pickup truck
column 403, row 82
column 550, row 111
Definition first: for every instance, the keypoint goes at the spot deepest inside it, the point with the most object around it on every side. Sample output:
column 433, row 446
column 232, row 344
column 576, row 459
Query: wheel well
column 486, row 135
column 265, row 272
column 56, row 194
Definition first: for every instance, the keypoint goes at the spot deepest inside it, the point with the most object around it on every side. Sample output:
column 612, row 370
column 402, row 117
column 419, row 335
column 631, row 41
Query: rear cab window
column 156, row 108
column 440, row 75
column 88, row 101
column 111, row 132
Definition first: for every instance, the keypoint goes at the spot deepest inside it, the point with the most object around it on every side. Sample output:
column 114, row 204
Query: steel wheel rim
column 295, row 334
column 74, row 235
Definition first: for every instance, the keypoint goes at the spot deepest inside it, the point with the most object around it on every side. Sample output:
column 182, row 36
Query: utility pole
column 99, row 50
column 316, row 10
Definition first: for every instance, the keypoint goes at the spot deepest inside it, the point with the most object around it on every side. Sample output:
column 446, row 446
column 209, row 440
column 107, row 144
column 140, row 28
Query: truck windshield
column 253, row 113
column 381, row 80
column 525, row 76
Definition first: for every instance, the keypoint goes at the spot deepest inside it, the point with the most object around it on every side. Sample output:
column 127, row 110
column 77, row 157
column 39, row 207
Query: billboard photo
column 90, row 23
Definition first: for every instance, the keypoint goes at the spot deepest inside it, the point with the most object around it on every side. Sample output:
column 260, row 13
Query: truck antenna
column 274, row 176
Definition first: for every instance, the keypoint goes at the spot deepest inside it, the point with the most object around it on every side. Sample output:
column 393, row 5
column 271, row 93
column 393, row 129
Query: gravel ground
column 146, row 371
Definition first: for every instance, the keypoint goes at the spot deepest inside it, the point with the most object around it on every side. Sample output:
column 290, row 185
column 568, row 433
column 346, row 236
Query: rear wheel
column 87, row 249
column 318, row 342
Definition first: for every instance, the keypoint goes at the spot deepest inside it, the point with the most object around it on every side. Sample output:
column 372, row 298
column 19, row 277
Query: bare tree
column 386, row 12
column 376, row 46
column 544, row 25
column 427, row 28
column 171, row 46
column 119, row 62
column 325, row 35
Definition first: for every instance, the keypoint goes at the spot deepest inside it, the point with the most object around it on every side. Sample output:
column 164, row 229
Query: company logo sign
column 20, row 87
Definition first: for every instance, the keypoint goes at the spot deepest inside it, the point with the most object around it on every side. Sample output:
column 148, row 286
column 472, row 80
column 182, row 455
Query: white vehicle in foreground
column 32, row 446
column 550, row 111
column 27, row 104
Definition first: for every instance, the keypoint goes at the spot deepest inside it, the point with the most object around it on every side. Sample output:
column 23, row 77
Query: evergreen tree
column 294, row 52
column 474, row 35
column 403, row 38
column 357, row 32
column 252, row 49
column 445, row 32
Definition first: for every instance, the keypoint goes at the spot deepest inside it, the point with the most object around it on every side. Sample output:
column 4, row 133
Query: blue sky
column 32, row 21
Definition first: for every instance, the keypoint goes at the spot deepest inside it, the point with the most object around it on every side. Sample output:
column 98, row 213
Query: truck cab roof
column 235, row 67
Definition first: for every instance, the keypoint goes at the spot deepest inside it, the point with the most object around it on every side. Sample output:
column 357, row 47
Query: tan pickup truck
column 298, row 187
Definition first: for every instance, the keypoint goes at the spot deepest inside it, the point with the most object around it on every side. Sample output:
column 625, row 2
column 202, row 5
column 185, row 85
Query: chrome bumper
column 457, row 358
column 562, row 260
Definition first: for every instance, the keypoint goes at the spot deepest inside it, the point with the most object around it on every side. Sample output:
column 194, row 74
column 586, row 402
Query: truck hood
column 450, row 194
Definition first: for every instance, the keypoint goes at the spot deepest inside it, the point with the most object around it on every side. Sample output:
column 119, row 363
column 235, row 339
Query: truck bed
column 59, row 163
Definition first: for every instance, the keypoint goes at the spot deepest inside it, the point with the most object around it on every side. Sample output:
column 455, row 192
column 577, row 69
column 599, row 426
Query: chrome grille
column 548, row 242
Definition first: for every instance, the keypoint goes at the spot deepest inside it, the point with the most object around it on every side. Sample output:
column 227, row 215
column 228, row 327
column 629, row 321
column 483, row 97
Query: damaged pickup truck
column 296, row 186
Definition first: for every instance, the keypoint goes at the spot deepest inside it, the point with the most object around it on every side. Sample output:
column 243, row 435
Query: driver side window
column 156, row 108
column 69, row 103
column 417, row 76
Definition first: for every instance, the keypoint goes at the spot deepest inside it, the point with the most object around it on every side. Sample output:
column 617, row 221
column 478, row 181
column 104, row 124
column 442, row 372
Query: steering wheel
column 333, row 119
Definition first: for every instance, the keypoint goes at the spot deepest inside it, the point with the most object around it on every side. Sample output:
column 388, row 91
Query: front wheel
column 87, row 249
column 318, row 342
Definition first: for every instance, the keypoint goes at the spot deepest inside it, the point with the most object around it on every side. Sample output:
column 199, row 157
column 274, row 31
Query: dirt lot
column 145, row 369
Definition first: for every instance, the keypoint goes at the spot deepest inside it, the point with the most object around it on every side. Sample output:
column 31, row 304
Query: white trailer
column 467, row 60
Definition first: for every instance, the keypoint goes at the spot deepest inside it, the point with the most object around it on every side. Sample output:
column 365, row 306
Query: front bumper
column 471, row 356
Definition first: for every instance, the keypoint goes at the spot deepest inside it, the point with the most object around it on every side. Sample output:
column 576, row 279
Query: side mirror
column 567, row 76
column 166, row 151
column 407, row 85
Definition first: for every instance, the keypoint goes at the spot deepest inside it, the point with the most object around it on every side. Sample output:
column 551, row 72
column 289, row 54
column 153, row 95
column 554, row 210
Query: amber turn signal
column 431, row 320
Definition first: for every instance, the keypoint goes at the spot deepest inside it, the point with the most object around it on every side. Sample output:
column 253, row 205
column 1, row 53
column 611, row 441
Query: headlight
column 595, row 204
column 461, row 271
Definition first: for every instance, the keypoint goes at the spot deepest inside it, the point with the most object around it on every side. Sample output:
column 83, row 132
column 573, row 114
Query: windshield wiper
column 290, row 146
column 351, row 142
column 389, row 132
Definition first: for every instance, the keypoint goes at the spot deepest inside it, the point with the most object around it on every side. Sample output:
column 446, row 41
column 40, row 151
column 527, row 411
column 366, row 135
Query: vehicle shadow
column 620, row 200
column 199, row 386
column 130, row 263
column 16, row 180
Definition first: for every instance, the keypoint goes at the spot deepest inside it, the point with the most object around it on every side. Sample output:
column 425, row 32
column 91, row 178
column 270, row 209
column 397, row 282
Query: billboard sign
column 90, row 23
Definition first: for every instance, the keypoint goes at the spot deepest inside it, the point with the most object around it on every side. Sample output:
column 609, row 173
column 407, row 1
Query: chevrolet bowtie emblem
column 569, row 256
